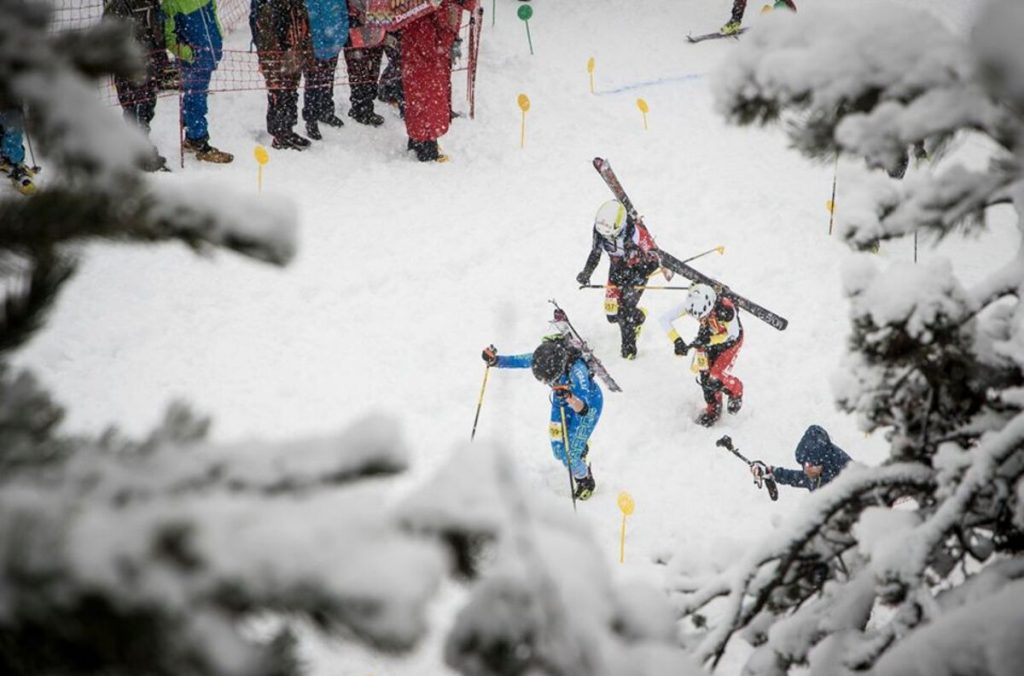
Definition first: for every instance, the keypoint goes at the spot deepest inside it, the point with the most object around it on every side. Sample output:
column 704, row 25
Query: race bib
column 611, row 306
column 700, row 362
column 555, row 431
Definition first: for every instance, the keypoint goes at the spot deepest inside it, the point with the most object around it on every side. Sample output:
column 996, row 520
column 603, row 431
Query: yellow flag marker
column 524, row 105
column 766, row 8
column 830, row 205
column 261, row 158
column 590, row 69
column 642, row 105
column 627, row 505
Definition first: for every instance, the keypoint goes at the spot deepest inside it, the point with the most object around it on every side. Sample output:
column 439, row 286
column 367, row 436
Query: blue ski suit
column 816, row 448
column 578, row 427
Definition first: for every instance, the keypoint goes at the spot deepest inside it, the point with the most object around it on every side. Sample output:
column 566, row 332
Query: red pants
column 717, row 377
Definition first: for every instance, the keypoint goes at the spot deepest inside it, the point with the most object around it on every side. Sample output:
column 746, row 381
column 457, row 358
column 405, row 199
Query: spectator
column 363, row 66
column 280, row 29
column 426, row 48
column 820, row 459
column 192, row 33
column 328, row 28
column 138, row 97
column 389, row 88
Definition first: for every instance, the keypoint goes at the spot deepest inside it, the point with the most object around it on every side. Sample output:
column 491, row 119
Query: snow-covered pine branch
column 545, row 602
column 854, row 582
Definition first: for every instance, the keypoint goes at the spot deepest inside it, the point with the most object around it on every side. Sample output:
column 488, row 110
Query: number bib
column 700, row 362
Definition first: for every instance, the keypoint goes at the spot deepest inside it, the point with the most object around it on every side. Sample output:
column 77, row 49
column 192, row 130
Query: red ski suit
column 427, row 71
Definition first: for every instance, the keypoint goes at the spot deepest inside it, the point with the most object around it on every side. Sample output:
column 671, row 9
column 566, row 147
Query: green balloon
column 524, row 12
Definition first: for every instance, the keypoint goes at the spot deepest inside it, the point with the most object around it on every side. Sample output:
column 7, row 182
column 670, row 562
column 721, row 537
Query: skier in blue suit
column 820, row 459
column 576, row 398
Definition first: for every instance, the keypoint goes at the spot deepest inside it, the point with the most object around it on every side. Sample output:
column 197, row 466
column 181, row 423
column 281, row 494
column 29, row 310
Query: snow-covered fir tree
column 915, row 566
column 151, row 555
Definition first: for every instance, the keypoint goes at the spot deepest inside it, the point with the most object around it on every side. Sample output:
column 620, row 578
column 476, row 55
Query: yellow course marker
column 627, row 505
column 830, row 206
column 524, row 105
column 261, row 158
column 590, row 70
column 644, row 109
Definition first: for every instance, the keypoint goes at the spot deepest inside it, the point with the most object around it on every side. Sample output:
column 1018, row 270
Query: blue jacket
column 328, row 27
column 816, row 448
column 579, row 427
column 192, row 31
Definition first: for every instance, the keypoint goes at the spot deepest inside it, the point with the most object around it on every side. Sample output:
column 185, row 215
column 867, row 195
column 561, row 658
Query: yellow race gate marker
column 261, row 158
column 590, row 70
column 524, row 105
column 644, row 109
column 627, row 505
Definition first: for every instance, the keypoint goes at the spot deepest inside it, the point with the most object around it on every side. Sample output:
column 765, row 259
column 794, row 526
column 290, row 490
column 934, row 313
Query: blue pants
column 579, row 429
column 195, row 81
column 12, row 148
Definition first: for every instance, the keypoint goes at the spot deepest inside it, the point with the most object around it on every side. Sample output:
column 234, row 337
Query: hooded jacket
column 816, row 448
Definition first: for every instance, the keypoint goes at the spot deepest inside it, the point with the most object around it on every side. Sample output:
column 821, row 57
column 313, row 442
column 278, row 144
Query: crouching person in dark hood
column 820, row 461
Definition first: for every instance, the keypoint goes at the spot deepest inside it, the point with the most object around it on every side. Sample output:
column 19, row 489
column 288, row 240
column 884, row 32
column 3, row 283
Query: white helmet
column 610, row 219
column 700, row 300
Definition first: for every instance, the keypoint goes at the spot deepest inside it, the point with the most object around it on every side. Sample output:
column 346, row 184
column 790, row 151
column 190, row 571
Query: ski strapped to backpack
column 574, row 341
column 769, row 483
column 670, row 262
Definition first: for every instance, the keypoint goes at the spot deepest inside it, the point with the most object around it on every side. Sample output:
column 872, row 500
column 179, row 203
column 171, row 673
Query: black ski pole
column 480, row 402
column 769, row 483
column 565, row 448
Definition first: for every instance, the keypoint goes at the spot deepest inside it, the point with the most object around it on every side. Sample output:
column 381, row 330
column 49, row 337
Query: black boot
column 290, row 140
column 367, row 117
column 426, row 151
column 313, row 130
column 585, row 486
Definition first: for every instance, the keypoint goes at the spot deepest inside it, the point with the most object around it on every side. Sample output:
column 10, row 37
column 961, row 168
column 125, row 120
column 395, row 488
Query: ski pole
column 720, row 249
column 769, row 483
column 568, row 463
column 832, row 202
column 480, row 401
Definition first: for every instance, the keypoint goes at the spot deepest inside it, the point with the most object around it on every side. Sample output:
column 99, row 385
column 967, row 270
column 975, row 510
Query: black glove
column 490, row 355
column 681, row 347
column 560, row 392
column 583, row 278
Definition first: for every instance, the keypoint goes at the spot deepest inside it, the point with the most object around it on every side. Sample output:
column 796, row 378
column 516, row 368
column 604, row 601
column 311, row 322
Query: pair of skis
column 694, row 39
column 670, row 262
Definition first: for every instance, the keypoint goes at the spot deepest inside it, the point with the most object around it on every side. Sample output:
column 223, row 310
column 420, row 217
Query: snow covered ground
column 406, row 271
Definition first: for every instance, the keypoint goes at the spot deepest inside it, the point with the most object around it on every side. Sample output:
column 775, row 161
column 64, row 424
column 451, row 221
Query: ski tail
column 604, row 167
column 764, row 314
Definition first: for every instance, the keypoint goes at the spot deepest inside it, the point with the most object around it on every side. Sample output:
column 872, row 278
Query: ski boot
column 585, row 486
column 731, row 28
column 710, row 415
column 22, row 177
column 734, row 405
column 207, row 153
